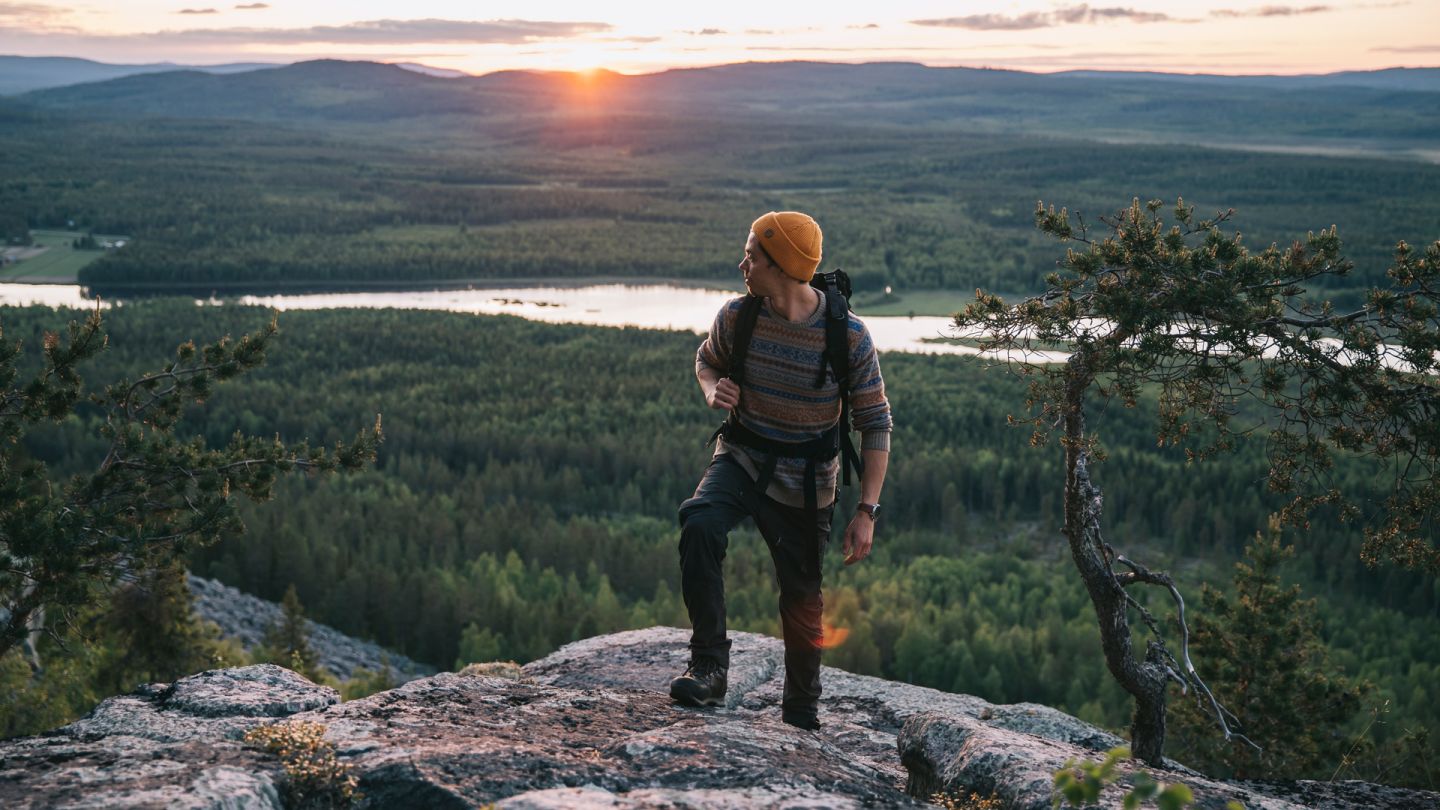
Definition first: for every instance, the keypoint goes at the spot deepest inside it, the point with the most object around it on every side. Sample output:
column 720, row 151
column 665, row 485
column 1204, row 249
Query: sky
column 1203, row 36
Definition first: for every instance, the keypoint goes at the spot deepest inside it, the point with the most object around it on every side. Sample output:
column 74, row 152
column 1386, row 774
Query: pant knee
column 701, row 534
column 802, row 609
column 701, row 521
column 804, row 594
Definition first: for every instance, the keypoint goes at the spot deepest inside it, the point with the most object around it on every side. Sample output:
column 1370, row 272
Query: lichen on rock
column 589, row 726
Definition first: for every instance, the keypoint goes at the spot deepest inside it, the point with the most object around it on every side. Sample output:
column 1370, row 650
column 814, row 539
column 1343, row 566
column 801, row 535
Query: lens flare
column 832, row 636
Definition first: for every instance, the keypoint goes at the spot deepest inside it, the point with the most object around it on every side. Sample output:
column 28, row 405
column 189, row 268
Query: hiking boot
column 703, row 684
column 806, row 720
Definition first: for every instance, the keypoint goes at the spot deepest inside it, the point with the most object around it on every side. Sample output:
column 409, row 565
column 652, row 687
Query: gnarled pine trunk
column 1146, row 681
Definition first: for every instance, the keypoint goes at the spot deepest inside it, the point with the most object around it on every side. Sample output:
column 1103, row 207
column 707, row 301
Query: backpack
column 835, row 286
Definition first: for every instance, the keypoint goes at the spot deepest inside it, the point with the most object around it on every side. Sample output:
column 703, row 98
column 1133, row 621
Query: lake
column 649, row 306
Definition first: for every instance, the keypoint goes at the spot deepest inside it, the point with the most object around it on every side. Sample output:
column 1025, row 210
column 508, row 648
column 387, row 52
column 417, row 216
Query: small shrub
column 494, row 669
column 959, row 801
column 1079, row 784
column 316, row 779
column 364, row 682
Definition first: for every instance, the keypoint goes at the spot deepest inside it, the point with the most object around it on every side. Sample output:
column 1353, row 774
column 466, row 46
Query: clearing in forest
column 52, row 259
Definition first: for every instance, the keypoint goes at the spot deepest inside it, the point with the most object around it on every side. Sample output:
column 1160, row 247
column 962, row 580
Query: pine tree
column 152, row 497
column 151, row 633
column 1185, row 316
column 1270, row 668
column 288, row 641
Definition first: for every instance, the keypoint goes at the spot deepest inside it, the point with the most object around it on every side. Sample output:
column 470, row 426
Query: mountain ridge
column 1384, row 121
column 22, row 74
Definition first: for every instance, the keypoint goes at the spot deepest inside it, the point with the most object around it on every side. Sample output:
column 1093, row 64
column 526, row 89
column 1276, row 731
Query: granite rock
column 590, row 726
column 960, row 755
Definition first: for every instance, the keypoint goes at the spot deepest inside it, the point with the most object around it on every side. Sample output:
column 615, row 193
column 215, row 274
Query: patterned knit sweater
column 779, row 398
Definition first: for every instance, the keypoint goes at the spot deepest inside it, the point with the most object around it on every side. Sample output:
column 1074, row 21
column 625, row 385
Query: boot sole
column 807, row 724
column 684, row 694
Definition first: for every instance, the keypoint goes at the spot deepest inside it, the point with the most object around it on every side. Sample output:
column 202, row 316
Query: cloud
column 27, row 14
column 1271, row 11
column 706, row 32
column 759, row 32
column 862, row 27
column 990, row 22
column 1065, row 15
column 855, row 49
column 197, row 11
column 22, row 20
column 386, row 32
column 250, row 6
column 28, row 10
column 1408, row 49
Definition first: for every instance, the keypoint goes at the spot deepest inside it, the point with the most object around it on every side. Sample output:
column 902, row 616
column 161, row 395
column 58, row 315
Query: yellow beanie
column 792, row 239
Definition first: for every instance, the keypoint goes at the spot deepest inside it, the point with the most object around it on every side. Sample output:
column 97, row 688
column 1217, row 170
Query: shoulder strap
column 739, row 348
column 837, row 356
column 837, row 342
column 740, row 342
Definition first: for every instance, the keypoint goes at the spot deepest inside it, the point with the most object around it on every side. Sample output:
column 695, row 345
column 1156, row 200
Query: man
column 767, row 466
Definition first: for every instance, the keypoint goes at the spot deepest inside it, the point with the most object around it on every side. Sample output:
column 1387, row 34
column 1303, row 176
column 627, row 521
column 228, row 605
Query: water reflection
column 649, row 306
column 50, row 295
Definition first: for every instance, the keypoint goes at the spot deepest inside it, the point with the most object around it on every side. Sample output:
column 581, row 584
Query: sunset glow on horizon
column 1222, row 36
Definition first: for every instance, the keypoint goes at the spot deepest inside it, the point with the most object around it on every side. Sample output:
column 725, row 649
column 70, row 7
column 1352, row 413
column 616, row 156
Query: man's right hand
column 724, row 396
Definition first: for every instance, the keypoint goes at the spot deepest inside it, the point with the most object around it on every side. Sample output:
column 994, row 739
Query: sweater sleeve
column 869, row 408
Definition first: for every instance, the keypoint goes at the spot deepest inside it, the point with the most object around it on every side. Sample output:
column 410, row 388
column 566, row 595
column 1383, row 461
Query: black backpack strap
column 739, row 348
column 740, row 342
column 837, row 343
column 837, row 356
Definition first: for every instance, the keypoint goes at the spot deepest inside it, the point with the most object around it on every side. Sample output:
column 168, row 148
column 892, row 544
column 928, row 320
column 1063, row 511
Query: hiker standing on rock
column 791, row 365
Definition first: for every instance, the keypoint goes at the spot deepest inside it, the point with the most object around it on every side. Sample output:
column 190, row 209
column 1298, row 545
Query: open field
column 59, row 264
column 913, row 302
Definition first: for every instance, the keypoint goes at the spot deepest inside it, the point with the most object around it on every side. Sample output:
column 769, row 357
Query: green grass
column 914, row 302
column 58, row 265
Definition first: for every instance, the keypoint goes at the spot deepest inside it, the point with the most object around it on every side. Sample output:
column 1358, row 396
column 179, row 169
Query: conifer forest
column 525, row 491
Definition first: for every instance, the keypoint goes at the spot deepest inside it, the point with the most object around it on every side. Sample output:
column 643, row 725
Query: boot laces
column 703, row 668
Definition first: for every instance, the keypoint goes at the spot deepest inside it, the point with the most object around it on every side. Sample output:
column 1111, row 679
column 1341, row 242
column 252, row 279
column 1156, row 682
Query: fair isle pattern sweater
column 779, row 398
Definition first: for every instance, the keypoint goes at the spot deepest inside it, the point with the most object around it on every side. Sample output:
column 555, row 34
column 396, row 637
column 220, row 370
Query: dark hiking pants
column 727, row 495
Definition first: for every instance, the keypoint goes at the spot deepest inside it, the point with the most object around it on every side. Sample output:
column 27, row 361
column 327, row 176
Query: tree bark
column 1145, row 681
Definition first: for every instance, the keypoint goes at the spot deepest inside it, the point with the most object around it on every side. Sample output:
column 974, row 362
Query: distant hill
column 1357, row 114
column 1421, row 79
column 22, row 74
column 443, row 73
column 322, row 89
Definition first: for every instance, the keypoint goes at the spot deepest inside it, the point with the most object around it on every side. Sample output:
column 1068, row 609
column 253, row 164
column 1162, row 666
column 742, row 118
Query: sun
column 581, row 58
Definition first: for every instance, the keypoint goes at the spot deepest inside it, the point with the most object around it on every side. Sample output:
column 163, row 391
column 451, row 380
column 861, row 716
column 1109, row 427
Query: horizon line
column 602, row 69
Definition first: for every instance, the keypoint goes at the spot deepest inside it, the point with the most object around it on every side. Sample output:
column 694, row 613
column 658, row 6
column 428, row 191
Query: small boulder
column 262, row 690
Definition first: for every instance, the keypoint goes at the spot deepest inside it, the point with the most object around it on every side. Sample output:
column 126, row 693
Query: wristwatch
column 871, row 509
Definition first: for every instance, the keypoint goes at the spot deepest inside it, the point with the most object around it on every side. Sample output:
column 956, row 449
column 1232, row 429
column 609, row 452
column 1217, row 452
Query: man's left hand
column 858, row 537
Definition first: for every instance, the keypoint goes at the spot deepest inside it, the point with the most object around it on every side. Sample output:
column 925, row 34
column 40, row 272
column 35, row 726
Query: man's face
column 757, row 268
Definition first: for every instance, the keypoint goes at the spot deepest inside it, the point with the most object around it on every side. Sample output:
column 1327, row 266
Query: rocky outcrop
column 590, row 726
column 960, row 754
column 246, row 619
column 172, row 745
